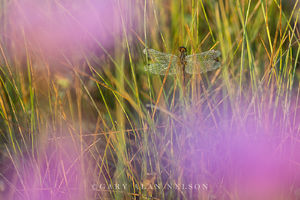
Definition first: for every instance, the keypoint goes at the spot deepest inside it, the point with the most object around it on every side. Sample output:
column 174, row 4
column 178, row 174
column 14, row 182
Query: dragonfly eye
column 182, row 49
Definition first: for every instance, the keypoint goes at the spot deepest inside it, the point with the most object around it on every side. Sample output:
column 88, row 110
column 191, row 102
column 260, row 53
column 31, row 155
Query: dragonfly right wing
column 161, row 62
column 202, row 62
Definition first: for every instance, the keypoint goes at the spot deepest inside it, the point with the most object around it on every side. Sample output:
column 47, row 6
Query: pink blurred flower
column 254, row 159
column 63, row 27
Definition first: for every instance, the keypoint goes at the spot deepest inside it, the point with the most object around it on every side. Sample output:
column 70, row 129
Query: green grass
column 85, row 116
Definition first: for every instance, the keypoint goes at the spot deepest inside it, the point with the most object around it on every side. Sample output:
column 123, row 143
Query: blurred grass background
column 87, row 113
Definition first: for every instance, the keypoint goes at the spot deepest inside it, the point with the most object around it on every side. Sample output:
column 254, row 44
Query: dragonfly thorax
column 182, row 56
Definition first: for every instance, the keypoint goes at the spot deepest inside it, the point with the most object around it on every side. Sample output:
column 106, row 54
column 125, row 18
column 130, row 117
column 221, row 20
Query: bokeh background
column 78, row 112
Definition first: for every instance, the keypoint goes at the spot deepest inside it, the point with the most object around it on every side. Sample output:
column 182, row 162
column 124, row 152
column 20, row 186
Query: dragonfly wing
column 161, row 62
column 202, row 62
column 158, row 68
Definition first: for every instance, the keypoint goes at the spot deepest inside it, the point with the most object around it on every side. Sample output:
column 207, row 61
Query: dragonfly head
column 182, row 49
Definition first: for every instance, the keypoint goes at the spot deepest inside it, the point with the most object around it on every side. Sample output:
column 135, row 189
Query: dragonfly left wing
column 161, row 62
column 158, row 68
column 202, row 62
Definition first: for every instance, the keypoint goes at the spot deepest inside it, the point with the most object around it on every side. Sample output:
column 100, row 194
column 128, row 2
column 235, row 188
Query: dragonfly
column 169, row 64
column 164, row 63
